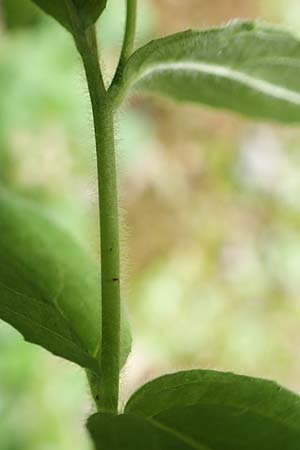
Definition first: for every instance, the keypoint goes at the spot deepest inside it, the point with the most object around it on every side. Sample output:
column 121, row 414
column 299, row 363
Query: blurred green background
column 211, row 212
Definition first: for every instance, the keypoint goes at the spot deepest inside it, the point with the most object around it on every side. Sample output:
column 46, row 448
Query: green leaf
column 127, row 432
column 49, row 285
column 85, row 12
column 220, row 411
column 246, row 67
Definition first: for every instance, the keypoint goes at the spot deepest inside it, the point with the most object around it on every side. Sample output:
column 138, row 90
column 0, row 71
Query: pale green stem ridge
column 107, row 396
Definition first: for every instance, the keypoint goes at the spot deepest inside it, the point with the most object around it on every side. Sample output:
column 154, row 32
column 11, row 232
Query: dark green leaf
column 247, row 67
column 127, row 432
column 221, row 411
column 49, row 285
column 85, row 12
column 18, row 14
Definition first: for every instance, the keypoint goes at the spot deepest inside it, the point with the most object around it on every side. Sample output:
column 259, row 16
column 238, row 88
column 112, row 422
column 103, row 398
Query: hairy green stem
column 129, row 36
column 108, row 396
column 130, row 28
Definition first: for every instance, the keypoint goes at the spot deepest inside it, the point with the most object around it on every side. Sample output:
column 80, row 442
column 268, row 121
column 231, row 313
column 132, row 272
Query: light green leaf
column 220, row 411
column 246, row 67
column 85, row 12
column 49, row 285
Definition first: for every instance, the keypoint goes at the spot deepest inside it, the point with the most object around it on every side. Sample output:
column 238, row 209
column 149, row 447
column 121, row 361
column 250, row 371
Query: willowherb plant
column 51, row 290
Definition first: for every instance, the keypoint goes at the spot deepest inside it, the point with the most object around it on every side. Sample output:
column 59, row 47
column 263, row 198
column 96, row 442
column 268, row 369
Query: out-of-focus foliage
column 42, row 400
column 213, row 217
column 18, row 14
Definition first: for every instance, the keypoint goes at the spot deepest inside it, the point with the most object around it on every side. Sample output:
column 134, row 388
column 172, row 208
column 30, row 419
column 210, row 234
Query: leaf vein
column 257, row 84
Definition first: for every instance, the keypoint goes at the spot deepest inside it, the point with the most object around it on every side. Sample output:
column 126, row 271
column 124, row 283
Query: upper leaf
column 65, row 11
column 49, row 285
column 247, row 67
column 221, row 411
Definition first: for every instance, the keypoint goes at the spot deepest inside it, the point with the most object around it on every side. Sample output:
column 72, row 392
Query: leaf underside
column 49, row 285
column 203, row 410
column 247, row 67
column 85, row 11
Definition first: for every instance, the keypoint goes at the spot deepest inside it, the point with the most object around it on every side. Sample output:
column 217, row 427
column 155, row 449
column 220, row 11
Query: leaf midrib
column 234, row 404
column 258, row 84
column 182, row 437
column 186, row 439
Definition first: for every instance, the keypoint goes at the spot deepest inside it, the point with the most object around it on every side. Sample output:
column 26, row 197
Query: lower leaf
column 203, row 410
column 128, row 432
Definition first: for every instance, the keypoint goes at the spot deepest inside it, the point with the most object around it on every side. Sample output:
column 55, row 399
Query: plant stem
column 129, row 36
column 130, row 28
column 109, row 224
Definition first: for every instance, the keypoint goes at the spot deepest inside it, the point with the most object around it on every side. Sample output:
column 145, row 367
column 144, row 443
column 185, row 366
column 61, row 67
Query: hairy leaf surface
column 49, row 285
column 246, row 67
column 65, row 11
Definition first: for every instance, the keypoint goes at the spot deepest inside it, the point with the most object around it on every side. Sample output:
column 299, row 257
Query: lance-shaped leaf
column 85, row 12
column 246, row 67
column 49, row 285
